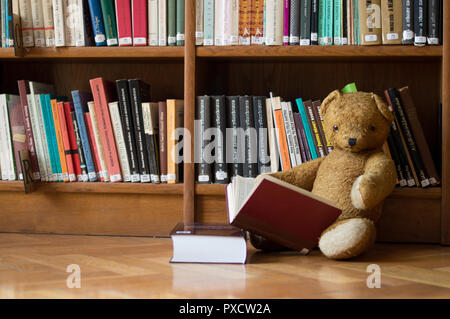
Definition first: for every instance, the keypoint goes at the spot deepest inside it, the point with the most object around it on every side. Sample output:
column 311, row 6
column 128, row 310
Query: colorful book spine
column 59, row 142
column 208, row 22
column 55, row 165
column 97, row 22
column 26, row 18
column 281, row 136
column 308, row 132
column 109, row 22
column 257, row 16
column 67, row 151
column 101, row 162
column 337, row 22
column 92, row 142
column 174, row 120
column 72, row 142
column 123, row 14
column 180, row 23
column 162, row 116
column 139, row 13
column 80, row 100
column 245, row 19
column 153, row 22
column 84, row 175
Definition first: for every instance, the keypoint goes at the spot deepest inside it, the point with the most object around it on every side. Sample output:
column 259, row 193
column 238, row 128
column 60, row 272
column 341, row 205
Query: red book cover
column 102, row 92
column 72, row 140
column 17, row 130
column 23, row 91
column 66, row 142
column 90, row 131
column 123, row 16
column 286, row 214
column 139, row 10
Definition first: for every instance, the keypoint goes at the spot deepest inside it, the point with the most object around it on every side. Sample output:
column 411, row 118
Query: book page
column 238, row 192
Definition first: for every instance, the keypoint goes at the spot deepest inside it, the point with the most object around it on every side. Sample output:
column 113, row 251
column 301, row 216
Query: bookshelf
column 410, row 215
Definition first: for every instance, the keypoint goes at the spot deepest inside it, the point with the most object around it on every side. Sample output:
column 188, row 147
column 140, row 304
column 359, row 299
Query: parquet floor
column 34, row 266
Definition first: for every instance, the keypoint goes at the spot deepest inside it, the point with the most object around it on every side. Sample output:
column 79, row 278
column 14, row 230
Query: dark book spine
column 136, row 90
column 150, row 143
column 297, row 121
column 304, row 139
column 420, row 22
column 434, row 22
column 315, row 133
column 409, row 139
column 250, row 167
column 203, row 118
column 314, row 22
column 260, row 116
column 84, row 173
column 320, row 129
column 408, row 21
column 236, row 152
column 305, row 22
column 219, row 122
column 162, row 111
column 398, row 164
column 294, row 22
column 344, row 40
column 128, row 128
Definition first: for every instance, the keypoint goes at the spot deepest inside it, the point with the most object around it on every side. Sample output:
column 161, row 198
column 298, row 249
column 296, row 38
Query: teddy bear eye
column 372, row 128
column 335, row 128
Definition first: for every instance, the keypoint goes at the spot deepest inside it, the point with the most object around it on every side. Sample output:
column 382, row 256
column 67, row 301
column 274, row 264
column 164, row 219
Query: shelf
column 96, row 53
column 321, row 52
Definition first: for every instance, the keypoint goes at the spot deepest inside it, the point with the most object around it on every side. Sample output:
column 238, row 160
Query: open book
column 286, row 214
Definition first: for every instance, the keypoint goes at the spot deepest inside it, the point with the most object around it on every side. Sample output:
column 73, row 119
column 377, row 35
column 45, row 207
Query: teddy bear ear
column 330, row 98
column 383, row 108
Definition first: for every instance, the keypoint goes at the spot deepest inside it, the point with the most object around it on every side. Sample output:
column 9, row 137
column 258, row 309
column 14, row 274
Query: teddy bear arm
column 378, row 181
column 303, row 175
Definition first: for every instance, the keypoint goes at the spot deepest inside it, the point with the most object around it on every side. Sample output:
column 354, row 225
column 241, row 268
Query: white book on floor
column 208, row 243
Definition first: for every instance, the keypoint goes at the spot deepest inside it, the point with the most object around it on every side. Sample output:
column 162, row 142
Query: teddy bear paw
column 347, row 238
column 356, row 196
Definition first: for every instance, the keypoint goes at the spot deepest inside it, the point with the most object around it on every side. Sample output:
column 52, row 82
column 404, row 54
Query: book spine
column 391, row 14
column 123, row 15
column 269, row 27
column 84, row 175
column 234, row 21
column 417, row 131
column 300, row 137
column 344, row 22
column 153, row 22
column 97, row 22
column 203, row 118
column 286, row 22
column 420, row 22
column 138, row 125
column 294, row 22
column 218, row 22
column 149, row 141
column 77, row 102
column 28, row 129
column 109, row 22
column 218, row 122
column 174, row 121
column 409, row 139
column 38, row 23
column 171, row 22
column 72, row 142
column 49, row 29
column 17, row 132
column 257, row 16
column 69, row 18
column 58, row 21
column 47, row 142
column 305, row 22
column 308, row 131
column 398, row 164
column 103, row 168
column 139, row 22
column 408, row 21
column 279, row 23
column 370, row 22
column 94, row 148
column 321, row 126
column 128, row 128
column 260, row 116
column 245, row 18
column 59, row 140
column 235, row 158
column 44, row 143
column 356, row 28
column 337, row 22
column 199, row 22
column 162, row 18
column 315, row 22
column 208, row 22
column 226, row 34
column 120, row 142
column 313, row 127
column 434, row 22
column 246, row 117
column 36, row 129
column 79, row 20
column 180, row 23
column 162, row 116
column 282, row 141
column 11, row 170
column 274, row 156
column 56, row 159
column 101, row 100
column 297, row 152
column 289, row 137
column 26, row 19
column 66, row 142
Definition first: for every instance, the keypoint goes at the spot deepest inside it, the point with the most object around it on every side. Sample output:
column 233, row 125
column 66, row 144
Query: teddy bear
column 357, row 175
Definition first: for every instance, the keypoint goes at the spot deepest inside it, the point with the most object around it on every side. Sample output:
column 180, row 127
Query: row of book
column 318, row 22
column 59, row 23
column 114, row 134
column 255, row 135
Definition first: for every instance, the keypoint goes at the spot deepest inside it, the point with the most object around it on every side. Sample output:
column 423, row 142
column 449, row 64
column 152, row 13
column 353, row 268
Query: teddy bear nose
column 352, row 141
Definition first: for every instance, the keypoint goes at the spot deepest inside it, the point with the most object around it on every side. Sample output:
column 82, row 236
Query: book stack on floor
column 114, row 134
column 59, row 23
column 254, row 135
column 318, row 22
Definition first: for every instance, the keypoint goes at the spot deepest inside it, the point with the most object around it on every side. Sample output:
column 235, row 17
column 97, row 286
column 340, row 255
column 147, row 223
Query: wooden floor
column 34, row 266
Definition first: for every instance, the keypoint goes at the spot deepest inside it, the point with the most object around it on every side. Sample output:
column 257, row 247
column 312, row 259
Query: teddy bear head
column 357, row 121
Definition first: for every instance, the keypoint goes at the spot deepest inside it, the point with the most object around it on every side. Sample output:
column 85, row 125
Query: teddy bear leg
column 347, row 238
column 260, row 242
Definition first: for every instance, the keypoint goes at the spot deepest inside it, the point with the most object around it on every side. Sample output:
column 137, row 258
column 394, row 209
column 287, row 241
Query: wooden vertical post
column 445, row 207
column 189, row 111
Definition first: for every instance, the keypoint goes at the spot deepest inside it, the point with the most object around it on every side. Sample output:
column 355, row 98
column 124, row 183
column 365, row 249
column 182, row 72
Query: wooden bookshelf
column 410, row 214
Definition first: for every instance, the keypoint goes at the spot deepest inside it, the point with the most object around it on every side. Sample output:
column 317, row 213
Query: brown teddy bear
column 357, row 175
